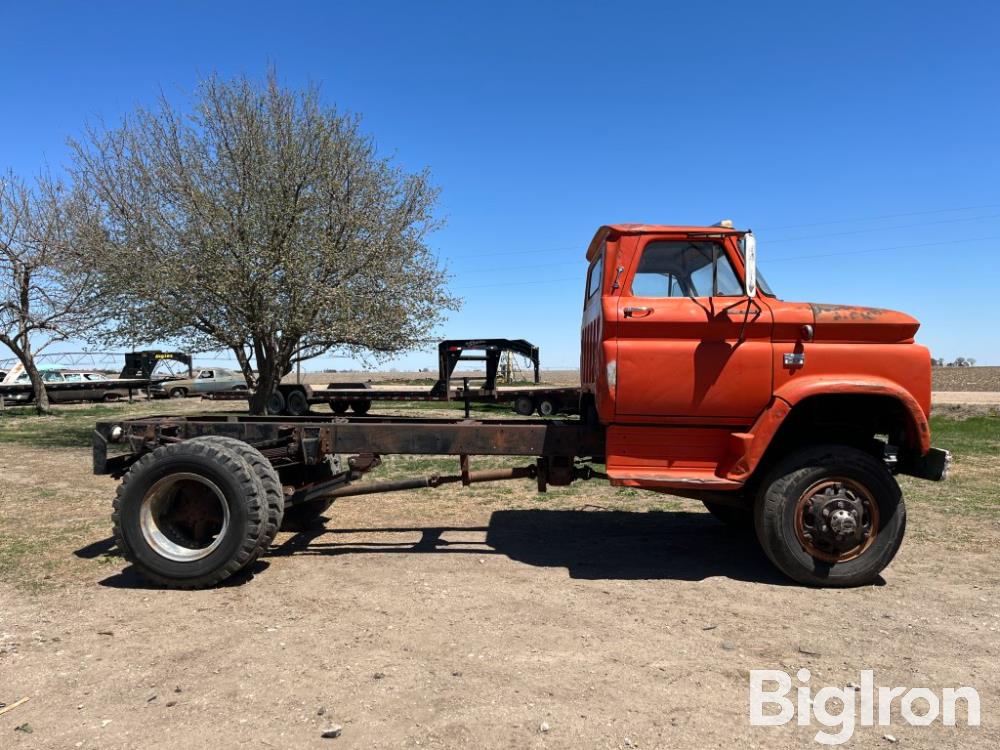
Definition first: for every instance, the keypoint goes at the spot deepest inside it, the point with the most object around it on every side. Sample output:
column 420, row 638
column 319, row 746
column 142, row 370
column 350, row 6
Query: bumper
column 934, row 465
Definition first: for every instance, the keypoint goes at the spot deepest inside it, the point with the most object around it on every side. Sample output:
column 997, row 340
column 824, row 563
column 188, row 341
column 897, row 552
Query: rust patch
column 847, row 312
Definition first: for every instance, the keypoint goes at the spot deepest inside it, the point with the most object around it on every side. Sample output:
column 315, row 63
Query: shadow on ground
column 130, row 579
column 590, row 544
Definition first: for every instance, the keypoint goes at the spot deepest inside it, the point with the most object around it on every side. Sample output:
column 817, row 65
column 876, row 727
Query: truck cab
column 707, row 383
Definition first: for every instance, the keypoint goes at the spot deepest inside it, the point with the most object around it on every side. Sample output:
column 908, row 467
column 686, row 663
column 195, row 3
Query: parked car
column 210, row 380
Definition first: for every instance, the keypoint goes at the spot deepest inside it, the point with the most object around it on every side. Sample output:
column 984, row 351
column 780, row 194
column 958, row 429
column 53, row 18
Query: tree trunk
column 248, row 375
column 37, row 385
column 268, row 378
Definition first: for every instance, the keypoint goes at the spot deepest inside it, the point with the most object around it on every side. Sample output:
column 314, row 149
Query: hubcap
column 836, row 520
column 184, row 517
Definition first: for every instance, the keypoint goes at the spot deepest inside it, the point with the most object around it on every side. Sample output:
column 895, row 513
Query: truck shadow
column 590, row 544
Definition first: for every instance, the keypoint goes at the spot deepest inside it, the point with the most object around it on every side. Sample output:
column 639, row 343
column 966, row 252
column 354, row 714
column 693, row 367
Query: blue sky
column 860, row 141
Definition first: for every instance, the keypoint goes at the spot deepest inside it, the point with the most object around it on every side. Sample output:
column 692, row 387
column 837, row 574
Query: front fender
column 750, row 447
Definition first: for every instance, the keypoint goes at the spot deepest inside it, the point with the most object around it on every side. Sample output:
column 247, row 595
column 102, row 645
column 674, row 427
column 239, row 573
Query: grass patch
column 972, row 436
column 69, row 428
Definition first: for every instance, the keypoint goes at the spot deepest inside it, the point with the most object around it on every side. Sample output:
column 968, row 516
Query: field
column 966, row 379
column 491, row 617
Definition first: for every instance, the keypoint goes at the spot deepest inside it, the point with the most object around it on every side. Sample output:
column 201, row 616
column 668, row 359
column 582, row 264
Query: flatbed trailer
column 22, row 393
column 295, row 399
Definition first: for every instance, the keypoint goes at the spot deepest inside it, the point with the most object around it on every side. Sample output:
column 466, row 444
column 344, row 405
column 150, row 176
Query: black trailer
column 295, row 399
column 203, row 496
column 79, row 390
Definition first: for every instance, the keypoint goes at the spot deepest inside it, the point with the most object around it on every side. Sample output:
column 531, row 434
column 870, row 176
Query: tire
column 206, row 480
column 730, row 515
column 546, row 407
column 111, row 397
column 275, row 403
column 361, row 407
column 268, row 476
column 178, row 393
column 795, row 534
column 524, row 406
column 296, row 403
column 339, row 407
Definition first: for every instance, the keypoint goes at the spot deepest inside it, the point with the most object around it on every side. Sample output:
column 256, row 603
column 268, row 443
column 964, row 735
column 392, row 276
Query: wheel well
column 864, row 421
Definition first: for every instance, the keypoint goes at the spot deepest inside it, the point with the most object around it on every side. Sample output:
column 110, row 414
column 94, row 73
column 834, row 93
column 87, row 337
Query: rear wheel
column 296, row 403
column 830, row 515
column 269, row 480
column 275, row 403
column 524, row 406
column 339, row 407
column 189, row 515
column 178, row 392
column 546, row 407
column 361, row 407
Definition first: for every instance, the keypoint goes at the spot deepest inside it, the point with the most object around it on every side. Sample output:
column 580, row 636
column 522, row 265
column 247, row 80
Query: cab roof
column 616, row 230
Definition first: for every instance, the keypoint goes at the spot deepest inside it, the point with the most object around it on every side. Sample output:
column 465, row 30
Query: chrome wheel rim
column 184, row 517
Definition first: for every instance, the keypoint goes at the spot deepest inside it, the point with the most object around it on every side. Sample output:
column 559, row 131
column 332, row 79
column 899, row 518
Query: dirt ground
column 485, row 618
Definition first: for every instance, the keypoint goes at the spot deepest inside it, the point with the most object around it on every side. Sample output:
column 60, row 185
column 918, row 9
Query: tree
column 264, row 222
column 47, row 292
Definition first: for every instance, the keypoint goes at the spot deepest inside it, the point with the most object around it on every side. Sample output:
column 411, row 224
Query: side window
column 685, row 269
column 596, row 276
column 207, row 374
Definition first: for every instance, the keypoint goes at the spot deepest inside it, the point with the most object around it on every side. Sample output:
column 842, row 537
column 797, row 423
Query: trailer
column 16, row 394
column 296, row 399
column 135, row 378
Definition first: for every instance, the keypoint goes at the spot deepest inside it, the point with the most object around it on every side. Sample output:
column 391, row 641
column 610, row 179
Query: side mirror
column 750, row 264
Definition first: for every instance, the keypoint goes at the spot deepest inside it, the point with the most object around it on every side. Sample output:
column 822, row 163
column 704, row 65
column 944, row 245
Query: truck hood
column 862, row 324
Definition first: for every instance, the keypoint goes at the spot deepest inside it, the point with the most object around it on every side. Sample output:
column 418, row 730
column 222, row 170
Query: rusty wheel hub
column 836, row 520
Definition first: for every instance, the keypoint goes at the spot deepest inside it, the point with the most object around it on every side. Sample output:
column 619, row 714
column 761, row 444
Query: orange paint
column 694, row 388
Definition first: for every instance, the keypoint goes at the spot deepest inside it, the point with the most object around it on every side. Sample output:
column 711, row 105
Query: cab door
column 691, row 344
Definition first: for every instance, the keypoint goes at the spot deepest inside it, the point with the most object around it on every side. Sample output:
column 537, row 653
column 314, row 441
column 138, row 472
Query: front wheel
column 830, row 515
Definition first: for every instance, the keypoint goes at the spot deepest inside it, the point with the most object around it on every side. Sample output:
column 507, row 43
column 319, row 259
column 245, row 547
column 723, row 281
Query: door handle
column 637, row 312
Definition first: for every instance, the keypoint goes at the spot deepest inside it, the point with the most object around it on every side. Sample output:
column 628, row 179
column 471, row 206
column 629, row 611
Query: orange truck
column 696, row 380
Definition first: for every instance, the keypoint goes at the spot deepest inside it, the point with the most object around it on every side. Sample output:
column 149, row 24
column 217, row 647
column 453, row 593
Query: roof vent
column 725, row 224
